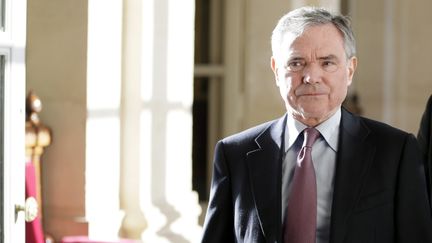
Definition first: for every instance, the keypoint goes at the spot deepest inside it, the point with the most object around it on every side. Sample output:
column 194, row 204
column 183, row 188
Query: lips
column 310, row 92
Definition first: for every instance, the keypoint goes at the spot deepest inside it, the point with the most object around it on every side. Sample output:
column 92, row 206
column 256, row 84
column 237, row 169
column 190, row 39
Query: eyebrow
column 331, row 57
column 328, row 57
column 296, row 58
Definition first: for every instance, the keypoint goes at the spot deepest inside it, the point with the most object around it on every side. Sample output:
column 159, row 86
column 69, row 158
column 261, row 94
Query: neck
column 312, row 121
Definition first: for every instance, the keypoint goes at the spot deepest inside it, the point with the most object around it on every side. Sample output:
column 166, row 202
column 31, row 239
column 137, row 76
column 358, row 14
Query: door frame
column 12, row 47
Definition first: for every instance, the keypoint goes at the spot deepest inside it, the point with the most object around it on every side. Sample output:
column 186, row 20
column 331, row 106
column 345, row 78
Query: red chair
column 34, row 230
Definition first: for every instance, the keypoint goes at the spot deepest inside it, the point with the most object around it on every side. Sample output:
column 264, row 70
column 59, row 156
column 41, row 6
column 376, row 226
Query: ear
column 274, row 68
column 352, row 65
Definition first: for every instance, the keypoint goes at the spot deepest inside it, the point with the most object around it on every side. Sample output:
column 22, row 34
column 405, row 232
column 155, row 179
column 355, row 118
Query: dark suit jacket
column 424, row 137
column 379, row 191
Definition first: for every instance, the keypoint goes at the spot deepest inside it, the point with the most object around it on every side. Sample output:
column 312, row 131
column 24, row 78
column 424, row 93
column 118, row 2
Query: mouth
column 312, row 91
column 314, row 94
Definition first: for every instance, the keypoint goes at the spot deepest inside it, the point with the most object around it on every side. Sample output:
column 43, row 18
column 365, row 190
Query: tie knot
column 310, row 136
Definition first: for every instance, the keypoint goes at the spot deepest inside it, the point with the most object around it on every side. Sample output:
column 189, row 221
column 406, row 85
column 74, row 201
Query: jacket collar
column 355, row 154
column 265, row 165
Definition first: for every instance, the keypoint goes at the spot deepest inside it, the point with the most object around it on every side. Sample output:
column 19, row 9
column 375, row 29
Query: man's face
column 313, row 73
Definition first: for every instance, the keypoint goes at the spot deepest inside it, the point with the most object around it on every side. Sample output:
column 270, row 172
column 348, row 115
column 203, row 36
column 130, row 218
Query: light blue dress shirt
column 324, row 160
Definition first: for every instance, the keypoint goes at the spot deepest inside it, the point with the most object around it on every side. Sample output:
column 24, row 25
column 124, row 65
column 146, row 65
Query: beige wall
column 250, row 92
column 262, row 99
column 56, row 71
column 394, row 74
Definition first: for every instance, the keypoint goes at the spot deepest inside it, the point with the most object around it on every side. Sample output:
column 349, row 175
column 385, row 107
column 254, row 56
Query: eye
column 329, row 66
column 328, row 63
column 295, row 65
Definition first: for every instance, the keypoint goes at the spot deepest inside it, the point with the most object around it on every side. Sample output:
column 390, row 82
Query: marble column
column 156, row 181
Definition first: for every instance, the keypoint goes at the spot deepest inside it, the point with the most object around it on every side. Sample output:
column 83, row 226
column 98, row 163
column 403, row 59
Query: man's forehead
column 330, row 31
column 322, row 44
column 318, row 51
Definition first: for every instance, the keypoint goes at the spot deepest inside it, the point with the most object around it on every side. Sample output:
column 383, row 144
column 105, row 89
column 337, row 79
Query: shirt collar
column 329, row 130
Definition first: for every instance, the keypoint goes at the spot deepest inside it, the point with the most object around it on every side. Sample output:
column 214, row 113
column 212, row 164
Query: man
column 362, row 182
column 424, row 137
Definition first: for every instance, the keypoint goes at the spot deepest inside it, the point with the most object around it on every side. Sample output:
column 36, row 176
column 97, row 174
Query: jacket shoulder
column 249, row 134
column 381, row 128
column 353, row 121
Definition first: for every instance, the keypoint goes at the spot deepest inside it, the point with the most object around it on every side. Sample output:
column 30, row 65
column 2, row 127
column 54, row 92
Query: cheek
column 286, row 89
column 286, row 82
column 339, row 89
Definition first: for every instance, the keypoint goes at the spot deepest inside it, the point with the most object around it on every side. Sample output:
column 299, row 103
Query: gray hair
column 299, row 19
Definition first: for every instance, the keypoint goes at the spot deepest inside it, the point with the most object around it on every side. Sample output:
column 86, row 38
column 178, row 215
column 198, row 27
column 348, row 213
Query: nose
column 312, row 73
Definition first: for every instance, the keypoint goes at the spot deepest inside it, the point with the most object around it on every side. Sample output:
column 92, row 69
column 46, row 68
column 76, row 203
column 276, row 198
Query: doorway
column 208, row 79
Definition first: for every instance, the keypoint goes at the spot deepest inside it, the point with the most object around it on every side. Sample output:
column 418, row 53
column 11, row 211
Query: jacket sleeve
column 424, row 137
column 413, row 214
column 218, row 225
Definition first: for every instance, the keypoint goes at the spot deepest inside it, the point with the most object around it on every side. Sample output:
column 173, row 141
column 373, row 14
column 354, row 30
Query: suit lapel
column 353, row 161
column 264, row 166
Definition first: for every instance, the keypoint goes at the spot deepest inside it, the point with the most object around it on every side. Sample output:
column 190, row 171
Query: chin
column 316, row 108
column 314, row 113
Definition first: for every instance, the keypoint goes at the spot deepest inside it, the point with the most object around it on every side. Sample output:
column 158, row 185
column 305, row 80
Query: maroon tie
column 300, row 222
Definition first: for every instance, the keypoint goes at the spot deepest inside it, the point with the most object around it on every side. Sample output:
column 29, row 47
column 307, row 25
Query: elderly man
column 318, row 174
